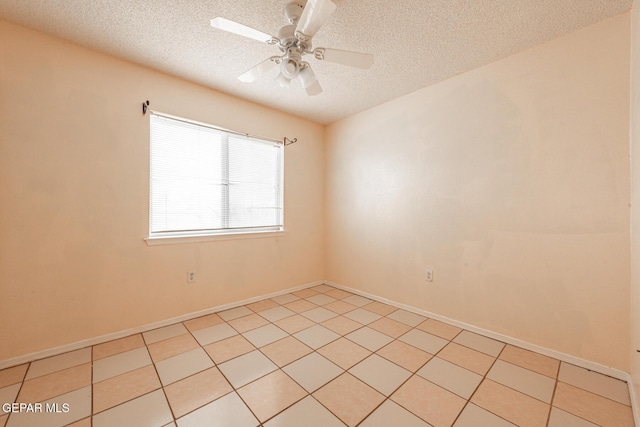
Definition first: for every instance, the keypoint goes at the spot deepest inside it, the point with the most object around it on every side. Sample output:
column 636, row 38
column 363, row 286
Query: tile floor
column 319, row 357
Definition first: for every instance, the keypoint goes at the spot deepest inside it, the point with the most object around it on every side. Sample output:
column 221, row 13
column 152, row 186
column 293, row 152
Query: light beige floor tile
column 56, row 383
column 203, row 322
column 468, row 358
column 321, row 299
column 265, row 335
column 300, row 305
column 341, row 325
column 380, row 308
column 521, row 379
column 85, row 422
column 357, row 300
column 380, row 374
column 363, row 316
column 480, row 343
column 560, row 418
column 181, row 366
column 440, row 329
column 392, row 414
column 319, row 314
column 424, row 341
column 323, row 288
column 433, row 404
column 452, row 377
column 246, row 368
column 171, row 347
column 149, row 410
column 116, row 390
column 8, row 394
column 535, row 362
column 592, row 407
column 308, row 413
column 369, row 338
column 475, row 416
column 120, row 363
column 58, row 363
column 276, row 313
column 214, row 333
column 13, row 375
column 294, row 323
column 165, row 333
column 79, row 406
column 285, row 351
column 594, row 382
column 404, row 355
column 515, row 407
column 305, row 293
column 271, row 394
column 284, row 299
column 197, row 390
column 246, row 323
column 339, row 294
column 407, row 317
column 221, row 351
column 344, row 353
column 121, row 345
column 228, row 411
column 349, row 399
column 340, row 307
column 316, row 336
column 312, row 371
column 262, row 305
column 234, row 313
column 389, row 327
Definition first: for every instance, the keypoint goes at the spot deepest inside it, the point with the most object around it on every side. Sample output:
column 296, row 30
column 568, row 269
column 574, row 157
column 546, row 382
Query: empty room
column 319, row 213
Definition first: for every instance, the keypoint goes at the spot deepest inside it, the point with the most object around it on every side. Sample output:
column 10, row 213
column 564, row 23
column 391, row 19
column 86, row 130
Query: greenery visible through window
column 205, row 181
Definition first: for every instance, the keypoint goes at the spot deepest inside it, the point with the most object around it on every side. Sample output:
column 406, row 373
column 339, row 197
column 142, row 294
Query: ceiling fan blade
column 344, row 57
column 315, row 13
column 241, row 30
column 314, row 89
column 258, row 71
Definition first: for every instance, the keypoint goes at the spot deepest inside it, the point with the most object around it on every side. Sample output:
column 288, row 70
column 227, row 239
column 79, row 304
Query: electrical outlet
column 191, row 277
column 429, row 275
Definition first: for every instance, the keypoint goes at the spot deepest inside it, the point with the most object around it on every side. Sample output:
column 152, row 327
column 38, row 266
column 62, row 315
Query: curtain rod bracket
column 145, row 107
column 288, row 141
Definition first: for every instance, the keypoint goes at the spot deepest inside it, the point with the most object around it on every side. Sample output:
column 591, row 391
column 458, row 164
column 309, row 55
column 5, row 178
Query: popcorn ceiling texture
column 415, row 42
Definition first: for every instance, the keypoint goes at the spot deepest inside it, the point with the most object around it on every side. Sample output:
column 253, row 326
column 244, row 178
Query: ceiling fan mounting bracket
column 293, row 11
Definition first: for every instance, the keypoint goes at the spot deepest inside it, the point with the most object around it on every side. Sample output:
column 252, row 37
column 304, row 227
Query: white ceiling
column 415, row 42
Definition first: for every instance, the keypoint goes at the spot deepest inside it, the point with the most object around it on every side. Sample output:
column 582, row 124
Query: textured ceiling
column 415, row 42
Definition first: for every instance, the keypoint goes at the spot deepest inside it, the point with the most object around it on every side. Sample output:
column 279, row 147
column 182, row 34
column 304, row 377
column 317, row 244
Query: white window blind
column 208, row 181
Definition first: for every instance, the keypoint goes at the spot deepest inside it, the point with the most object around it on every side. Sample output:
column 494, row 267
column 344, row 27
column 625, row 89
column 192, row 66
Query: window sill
column 176, row 240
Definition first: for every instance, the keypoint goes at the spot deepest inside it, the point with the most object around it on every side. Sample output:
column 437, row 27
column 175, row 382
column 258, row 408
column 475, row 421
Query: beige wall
column 512, row 182
column 635, row 199
column 74, row 167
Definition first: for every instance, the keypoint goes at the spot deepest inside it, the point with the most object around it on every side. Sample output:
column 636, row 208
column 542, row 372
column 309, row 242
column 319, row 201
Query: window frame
column 227, row 233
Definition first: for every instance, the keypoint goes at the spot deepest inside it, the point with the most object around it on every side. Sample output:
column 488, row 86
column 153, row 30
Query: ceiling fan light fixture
column 283, row 81
column 289, row 68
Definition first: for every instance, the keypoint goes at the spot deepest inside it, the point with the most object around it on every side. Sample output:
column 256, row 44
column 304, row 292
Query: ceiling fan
column 294, row 41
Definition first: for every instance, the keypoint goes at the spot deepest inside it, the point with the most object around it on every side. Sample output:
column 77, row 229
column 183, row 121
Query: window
column 206, row 181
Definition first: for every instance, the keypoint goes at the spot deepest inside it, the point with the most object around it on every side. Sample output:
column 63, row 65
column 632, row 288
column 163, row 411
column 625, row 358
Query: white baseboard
column 7, row 363
column 583, row 363
column 587, row 364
